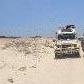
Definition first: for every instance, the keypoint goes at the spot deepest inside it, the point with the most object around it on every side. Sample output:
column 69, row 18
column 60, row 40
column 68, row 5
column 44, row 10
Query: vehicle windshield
column 66, row 36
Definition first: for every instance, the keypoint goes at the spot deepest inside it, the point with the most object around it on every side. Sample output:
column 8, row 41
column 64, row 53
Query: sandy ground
column 33, row 62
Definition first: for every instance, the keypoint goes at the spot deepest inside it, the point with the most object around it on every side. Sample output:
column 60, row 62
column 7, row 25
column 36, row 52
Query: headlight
column 77, row 48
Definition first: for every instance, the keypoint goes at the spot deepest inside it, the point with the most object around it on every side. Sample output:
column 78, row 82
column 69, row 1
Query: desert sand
column 31, row 61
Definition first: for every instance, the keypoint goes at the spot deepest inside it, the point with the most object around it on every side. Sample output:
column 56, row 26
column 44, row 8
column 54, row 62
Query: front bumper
column 67, row 53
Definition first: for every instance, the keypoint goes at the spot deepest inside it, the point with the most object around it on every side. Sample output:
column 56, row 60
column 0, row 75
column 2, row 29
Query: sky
column 39, row 17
